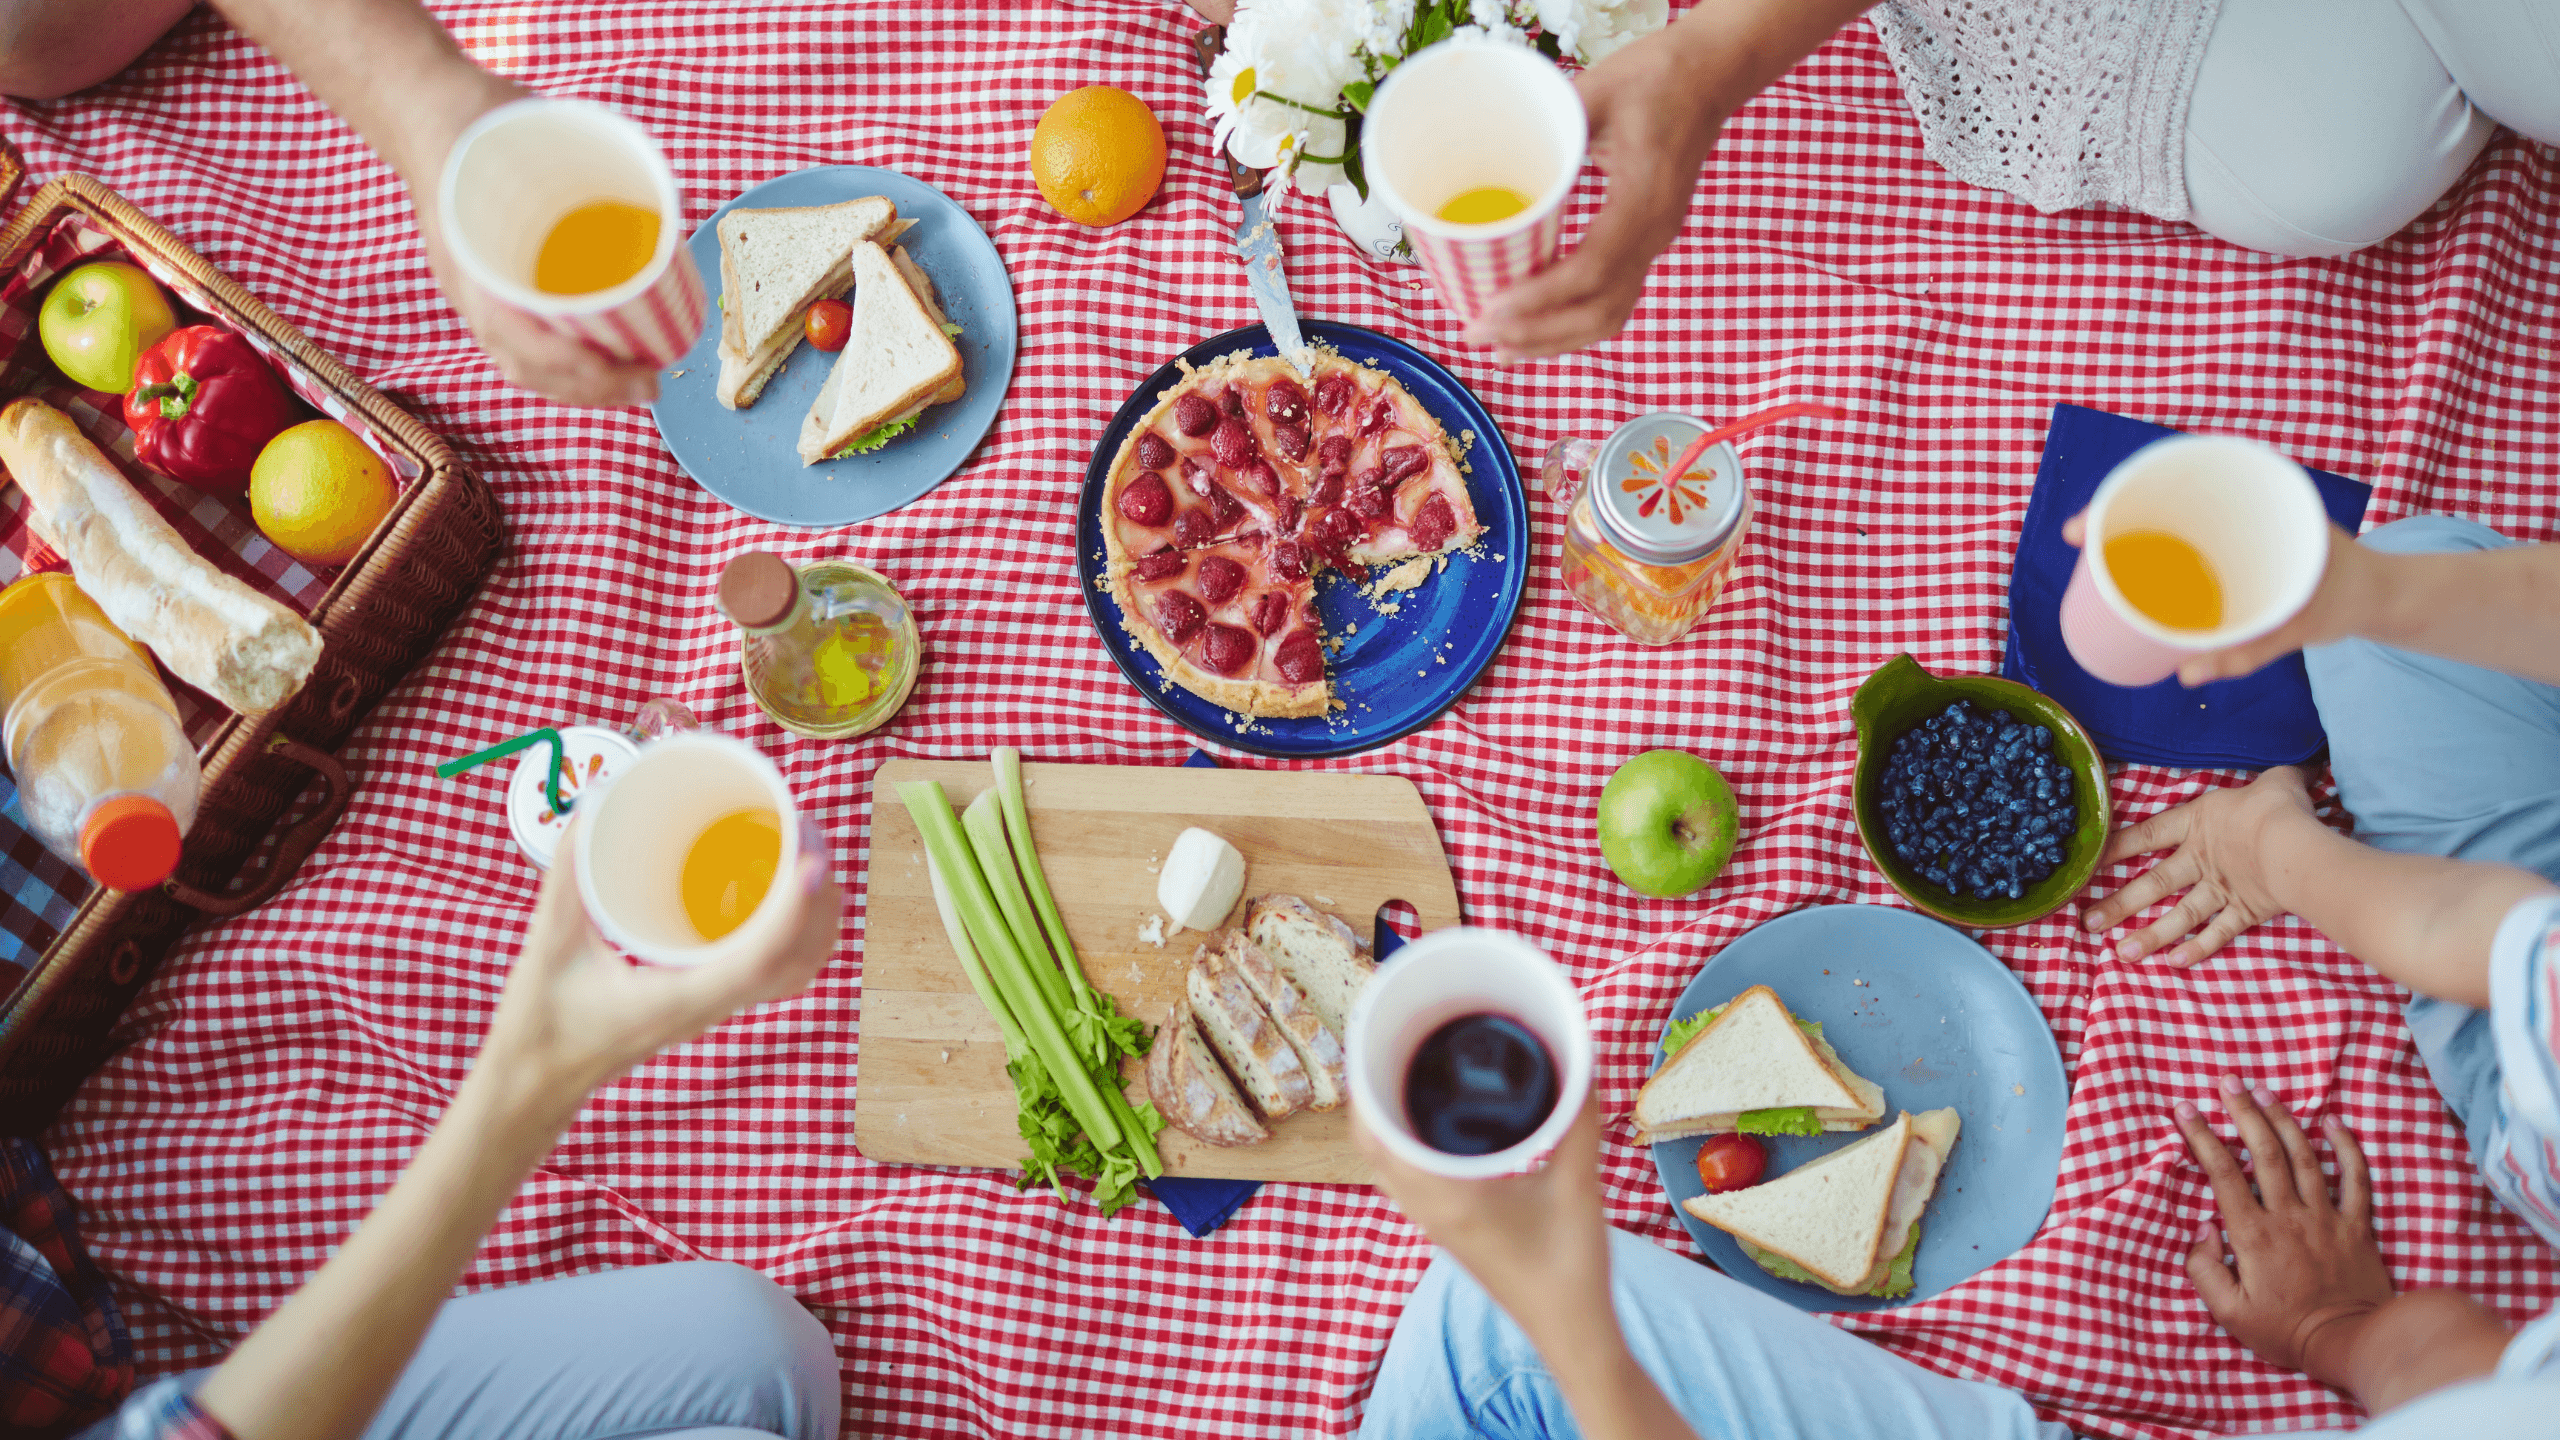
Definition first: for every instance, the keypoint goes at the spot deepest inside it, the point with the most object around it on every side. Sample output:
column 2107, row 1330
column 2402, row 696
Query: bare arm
column 2247, row 855
column 1656, row 110
column 402, row 84
column 573, row 1017
column 1539, row 1246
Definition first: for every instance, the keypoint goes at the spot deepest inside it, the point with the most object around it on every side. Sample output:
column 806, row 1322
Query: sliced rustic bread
column 1318, row 1045
column 1254, row 1050
column 1191, row 1091
column 1318, row 953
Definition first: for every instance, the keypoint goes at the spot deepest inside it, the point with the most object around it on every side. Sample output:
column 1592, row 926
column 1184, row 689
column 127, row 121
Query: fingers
column 2355, row 1178
column 2141, row 892
column 2227, row 925
column 2075, row 529
column 2185, row 918
column 2231, row 1194
column 560, row 929
column 2161, row 832
column 2309, row 1184
column 2213, row 1279
column 2259, row 1139
column 1577, row 302
column 543, row 360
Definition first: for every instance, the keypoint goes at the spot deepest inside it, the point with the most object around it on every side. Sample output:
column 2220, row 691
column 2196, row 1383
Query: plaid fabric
column 165, row 1411
column 64, row 1355
column 281, row 1069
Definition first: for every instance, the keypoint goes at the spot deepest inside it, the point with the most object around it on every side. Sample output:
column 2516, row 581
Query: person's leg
column 2318, row 127
column 1732, row 1360
column 2434, row 757
column 49, row 48
column 700, row 1350
column 2504, row 53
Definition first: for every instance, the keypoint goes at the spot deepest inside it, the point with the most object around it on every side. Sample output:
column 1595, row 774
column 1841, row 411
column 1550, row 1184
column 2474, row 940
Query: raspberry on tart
column 1242, row 485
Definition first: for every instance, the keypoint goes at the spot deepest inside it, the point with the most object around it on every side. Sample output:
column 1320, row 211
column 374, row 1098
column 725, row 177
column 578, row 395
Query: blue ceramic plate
column 1394, row 673
column 1939, row 1021
column 751, row 458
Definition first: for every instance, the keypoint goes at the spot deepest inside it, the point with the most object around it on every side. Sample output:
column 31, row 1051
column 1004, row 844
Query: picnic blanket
column 286, row 1063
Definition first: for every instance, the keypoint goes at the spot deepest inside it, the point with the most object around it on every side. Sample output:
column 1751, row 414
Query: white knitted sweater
column 2062, row 103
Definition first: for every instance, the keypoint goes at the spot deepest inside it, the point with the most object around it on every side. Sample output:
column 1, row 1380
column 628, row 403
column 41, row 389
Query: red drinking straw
column 1750, row 423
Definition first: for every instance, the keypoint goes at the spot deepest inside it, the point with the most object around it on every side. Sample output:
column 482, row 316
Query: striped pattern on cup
column 1469, row 272
column 652, row 327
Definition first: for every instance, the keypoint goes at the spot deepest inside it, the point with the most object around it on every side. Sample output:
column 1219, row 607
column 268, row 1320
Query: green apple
column 98, row 321
column 1667, row 823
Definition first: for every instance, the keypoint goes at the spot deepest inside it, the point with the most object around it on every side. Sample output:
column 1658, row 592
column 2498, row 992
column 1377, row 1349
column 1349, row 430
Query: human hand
column 1654, row 116
column 2220, row 862
column 2339, row 608
column 1537, row 1243
column 530, row 354
column 575, row 1014
column 2303, row 1264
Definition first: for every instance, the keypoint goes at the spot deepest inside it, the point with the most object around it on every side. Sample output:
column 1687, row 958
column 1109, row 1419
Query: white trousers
column 2323, row 126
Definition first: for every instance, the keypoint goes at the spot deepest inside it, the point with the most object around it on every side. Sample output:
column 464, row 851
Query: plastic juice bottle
column 106, row 777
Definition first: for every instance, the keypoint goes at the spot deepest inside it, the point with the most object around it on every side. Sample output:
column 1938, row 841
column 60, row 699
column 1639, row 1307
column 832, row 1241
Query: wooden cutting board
column 932, row 1089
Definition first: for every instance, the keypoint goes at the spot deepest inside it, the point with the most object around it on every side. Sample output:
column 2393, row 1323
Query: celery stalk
column 1015, row 1046
column 1017, row 824
column 1006, row 965
column 983, row 823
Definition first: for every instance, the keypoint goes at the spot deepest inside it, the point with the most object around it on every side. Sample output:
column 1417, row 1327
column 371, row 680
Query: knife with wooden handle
column 1257, row 239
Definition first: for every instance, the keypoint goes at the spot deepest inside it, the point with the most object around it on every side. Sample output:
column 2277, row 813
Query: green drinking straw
column 551, row 783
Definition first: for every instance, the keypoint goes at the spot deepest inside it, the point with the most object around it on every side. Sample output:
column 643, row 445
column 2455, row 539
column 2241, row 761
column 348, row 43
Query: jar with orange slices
column 1648, row 551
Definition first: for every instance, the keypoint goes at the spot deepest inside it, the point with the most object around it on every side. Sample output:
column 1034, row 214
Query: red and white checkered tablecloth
column 286, row 1063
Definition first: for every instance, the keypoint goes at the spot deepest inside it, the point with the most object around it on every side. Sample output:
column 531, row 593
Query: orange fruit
column 318, row 492
column 1097, row 155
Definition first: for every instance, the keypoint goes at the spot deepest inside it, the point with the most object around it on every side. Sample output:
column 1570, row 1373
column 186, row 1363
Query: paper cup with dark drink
column 1474, row 143
column 2192, row 544
column 1470, row 1055
column 681, row 852
column 568, row 212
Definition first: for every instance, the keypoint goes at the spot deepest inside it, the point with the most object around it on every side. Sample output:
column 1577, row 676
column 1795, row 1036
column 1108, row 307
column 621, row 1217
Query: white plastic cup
column 1467, row 113
column 1448, row 975
column 640, row 826
column 517, row 170
column 2254, row 515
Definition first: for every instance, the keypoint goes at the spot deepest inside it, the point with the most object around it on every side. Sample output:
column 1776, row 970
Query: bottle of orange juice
column 106, row 777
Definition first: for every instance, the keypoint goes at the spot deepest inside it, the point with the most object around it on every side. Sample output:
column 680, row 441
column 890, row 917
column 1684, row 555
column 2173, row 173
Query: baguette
column 213, row 632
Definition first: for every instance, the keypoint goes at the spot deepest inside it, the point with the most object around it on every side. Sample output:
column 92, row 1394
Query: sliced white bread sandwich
column 1319, row 1046
column 1244, row 1037
column 1749, row 1065
column 897, row 361
column 1317, row 953
column 1191, row 1091
column 1850, row 1221
column 775, row 264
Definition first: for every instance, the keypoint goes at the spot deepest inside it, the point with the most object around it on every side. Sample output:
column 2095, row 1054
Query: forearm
column 321, row 1365
column 1738, row 47
column 1610, row 1395
column 2498, row 609
column 386, row 67
column 2413, row 1343
column 2422, row 920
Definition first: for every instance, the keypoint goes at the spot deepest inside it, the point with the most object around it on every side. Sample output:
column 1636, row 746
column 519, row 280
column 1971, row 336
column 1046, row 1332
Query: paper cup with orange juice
column 680, row 853
column 2192, row 544
column 568, row 212
column 1474, row 143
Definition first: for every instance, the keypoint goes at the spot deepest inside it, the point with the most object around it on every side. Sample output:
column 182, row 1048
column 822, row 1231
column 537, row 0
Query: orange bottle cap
column 130, row 842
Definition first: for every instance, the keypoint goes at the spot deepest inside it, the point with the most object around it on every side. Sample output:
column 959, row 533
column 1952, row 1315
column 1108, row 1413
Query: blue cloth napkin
column 1201, row 1204
column 2246, row 724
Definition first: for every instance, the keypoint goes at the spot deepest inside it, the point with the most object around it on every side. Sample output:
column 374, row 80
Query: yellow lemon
column 318, row 493
column 1098, row 155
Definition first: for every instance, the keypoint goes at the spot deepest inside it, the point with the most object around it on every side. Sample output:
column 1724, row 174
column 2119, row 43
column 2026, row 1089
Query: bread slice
column 896, row 362
column 1318, row 953
column 1254, row 1050
column 1190, row 1090
column 1753, row 1056
column 1827, row 1217
column 1318, row 1045
column 774, row 264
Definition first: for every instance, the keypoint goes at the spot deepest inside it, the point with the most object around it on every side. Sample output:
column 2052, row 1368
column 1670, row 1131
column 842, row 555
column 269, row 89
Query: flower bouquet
column 1289, row 89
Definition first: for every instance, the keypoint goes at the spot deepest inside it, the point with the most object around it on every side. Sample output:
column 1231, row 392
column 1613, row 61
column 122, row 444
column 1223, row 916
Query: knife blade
column 1266, row 273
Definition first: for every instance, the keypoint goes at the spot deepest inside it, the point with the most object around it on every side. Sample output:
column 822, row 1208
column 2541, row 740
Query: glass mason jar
column 1649, row 553
column 829, row 650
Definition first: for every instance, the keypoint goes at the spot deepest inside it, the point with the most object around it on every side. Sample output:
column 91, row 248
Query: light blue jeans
column 2434, row 757
column 698, row 1350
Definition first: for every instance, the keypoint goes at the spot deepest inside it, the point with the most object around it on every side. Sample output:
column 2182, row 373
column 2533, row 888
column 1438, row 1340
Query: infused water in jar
column 1647, row 551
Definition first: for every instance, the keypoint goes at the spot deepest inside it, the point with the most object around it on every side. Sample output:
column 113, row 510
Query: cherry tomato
column 830, row 324
column 1731, row 1162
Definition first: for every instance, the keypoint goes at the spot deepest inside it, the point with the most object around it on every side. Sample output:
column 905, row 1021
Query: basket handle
column 293, row 847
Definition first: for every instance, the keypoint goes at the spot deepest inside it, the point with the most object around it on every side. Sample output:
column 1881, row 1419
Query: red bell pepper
column 204, row 403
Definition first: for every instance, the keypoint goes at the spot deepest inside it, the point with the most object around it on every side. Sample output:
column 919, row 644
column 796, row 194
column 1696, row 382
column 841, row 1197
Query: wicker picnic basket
column 377, row 618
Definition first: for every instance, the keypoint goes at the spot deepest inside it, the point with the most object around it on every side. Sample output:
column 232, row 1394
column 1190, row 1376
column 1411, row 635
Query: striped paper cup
column 520, row 168
column 1470, row 114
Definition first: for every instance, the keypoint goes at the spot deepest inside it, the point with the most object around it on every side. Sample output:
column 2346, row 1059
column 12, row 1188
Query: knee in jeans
column 2434, row 535
column 752, row 1322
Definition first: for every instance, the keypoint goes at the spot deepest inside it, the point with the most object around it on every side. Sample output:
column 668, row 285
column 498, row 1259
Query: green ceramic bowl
column 1901, row 695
